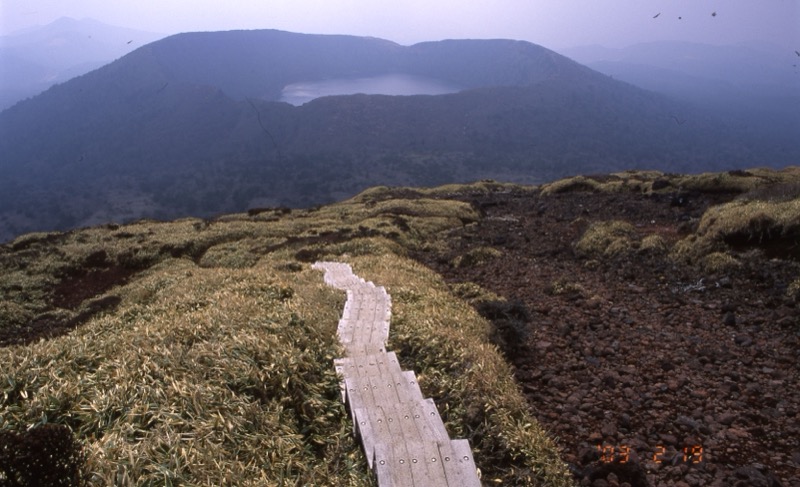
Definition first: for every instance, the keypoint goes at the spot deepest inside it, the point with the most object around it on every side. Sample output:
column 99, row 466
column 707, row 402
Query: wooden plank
column 347, row 311
column 373, row 365
column 361, row 349
column 393, row 419
column 366, row 320
column 409, row 466
column 370, row 391
column 404, row 469
column 400, row 383
column 359, row 365
column 428, row 419
column 382, row 433
column 393, row 363
column 346, row 330
column 404, row 415
column 402, row 474
column 434, row 463
column 339, row 366
column 458, row 464
column 354, row 395
column 365, row 433
column 384, row 391
column 425, row 464
column 411, row 391
column 423, row 452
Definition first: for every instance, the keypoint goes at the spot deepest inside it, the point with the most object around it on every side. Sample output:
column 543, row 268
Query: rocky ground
column 648, row 372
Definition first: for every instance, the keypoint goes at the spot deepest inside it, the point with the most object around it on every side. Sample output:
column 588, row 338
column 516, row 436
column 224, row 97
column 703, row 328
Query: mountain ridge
column 190, row 125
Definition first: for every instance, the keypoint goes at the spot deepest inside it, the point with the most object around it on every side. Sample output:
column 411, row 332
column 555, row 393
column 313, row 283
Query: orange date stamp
column 622, row 453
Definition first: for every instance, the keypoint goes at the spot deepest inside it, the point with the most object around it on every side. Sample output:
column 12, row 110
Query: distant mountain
column 34, row 59
column 192, row 125
column 752, row 66
column 754, row 82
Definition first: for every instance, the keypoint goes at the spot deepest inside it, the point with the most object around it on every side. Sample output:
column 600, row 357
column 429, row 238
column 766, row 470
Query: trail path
column 401, row 432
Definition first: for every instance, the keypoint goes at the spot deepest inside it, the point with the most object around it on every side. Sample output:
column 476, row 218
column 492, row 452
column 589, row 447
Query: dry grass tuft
column 742, row 182
column 793, row 291
column 719, row 262
column 564, row 287
column 758, row 183
column 476, row 257
column 473, row 293
column 577, row 183
column 743, row 224
column 653, row 243
column 607, row 239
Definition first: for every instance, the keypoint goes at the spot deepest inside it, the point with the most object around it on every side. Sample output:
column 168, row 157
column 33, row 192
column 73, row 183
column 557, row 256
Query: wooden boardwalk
column 401, row 432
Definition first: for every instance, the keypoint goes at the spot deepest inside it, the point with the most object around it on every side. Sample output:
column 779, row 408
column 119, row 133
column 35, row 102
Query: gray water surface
column 388, row 84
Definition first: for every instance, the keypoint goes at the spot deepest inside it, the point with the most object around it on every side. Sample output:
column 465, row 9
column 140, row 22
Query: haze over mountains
column 756, row 82
column 754, row 67
column 34, row 59
column 193, row 125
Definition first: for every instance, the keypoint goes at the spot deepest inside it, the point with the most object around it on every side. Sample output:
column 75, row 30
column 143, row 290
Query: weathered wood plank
column 411, row 390
column 392, row 467
column 377, row 365
column 384, row 391
column 433, row 460
column 430, row 420
column 403, row 415
column 458, row 464
column 370, row 392
column 354, row 396
column 356, row 349
column 363, row 431
column 424, row 460
column 392, row 418
column 383, row 466
column 338, row 365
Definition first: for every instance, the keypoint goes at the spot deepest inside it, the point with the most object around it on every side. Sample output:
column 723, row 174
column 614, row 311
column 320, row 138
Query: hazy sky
column 551, row 23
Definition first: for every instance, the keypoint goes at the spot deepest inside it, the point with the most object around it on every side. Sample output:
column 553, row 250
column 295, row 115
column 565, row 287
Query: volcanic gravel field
column 648, row 372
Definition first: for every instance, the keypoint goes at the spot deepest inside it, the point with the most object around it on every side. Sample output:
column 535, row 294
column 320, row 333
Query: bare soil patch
column 77, row 292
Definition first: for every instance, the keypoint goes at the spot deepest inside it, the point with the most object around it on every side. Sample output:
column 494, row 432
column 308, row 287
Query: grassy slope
column 208, row 361
column 212, row 364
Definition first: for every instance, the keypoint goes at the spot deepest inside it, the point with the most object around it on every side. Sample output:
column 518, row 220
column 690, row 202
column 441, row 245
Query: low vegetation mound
column 607, row 239
column 773, row 226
